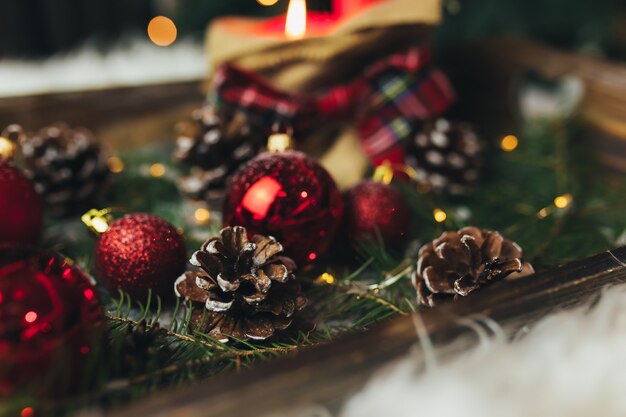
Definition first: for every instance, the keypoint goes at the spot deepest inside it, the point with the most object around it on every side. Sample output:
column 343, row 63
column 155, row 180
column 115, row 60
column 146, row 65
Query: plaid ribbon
column 384, row 103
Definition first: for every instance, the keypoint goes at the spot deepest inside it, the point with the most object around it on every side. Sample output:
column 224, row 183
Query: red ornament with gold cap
column 289, row 196
column 49, row 314
column 137, row 253
column 21, row 212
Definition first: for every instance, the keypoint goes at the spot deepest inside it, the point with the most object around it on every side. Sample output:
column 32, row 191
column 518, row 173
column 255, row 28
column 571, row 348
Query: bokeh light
column 562, row 201
column 162, row 31
column 157, row 170
column 439, row 215
column 326, row 278
column 115, row 165
column 202, row 216
column 509, row 143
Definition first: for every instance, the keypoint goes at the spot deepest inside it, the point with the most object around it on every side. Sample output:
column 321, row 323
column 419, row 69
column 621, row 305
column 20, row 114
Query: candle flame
column 295, row 25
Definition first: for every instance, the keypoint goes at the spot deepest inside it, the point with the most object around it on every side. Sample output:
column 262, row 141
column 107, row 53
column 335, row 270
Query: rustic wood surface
column 122, row 117
column 325, row 375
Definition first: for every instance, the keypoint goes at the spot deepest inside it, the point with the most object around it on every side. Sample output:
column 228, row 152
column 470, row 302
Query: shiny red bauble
column 374, row 210
column 21, row 214
column 140, row 252
column 289, row 196
column 50, row 321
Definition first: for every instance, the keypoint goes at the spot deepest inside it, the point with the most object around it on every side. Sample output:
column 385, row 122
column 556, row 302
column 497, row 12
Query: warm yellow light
column 439, row 215
column 267, row 2
column 543, row 213
column 326, row 278
column 295, row 25
column 115, row 165
column 563, row 201
column 278, row 142
column 202, row 216
column 509, row 143
column 157, row 170
column 162, row 31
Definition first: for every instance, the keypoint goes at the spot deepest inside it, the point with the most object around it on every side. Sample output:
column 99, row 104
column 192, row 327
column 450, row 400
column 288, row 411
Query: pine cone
column 248, row 289
column 213, row 151
column 69, row 167
column 445, row 156
column 458, row 263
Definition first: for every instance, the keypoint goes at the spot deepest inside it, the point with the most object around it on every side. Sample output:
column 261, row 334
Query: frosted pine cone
column 68, row 165
column 248, row 289
column 458, row 263
column 213, row 151
column 446, row 156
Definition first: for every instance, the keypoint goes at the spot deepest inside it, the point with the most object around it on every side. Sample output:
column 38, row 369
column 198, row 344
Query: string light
column 202, row 216
column 162, row 31
column 326, row 278
column 562, row 201
column 157, row 170
column 439, row 215
column 115, row 164
column 509, row 143
column 267, row 2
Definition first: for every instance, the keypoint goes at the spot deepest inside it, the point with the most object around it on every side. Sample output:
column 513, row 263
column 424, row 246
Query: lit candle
column 254, row 43
column 295, row 22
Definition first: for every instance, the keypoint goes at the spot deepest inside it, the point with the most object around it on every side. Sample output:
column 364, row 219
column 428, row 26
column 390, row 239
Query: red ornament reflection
column 289, row 196
column 48, row 313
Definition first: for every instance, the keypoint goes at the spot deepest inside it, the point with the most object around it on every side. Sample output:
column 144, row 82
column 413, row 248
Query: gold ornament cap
column 9, row 139
column 98, row 221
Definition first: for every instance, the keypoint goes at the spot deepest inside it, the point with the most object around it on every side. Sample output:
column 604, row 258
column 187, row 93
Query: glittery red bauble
column 50, row 315
column 289, row 196
column 374, row 209
column 140, row 252
column 21, row 215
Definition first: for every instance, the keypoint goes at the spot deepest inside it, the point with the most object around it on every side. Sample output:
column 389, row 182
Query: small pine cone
column 68, row 166
column 458, row 263
column 213, row 151
column 446, row 156
column 145, row 347
column 248, row 289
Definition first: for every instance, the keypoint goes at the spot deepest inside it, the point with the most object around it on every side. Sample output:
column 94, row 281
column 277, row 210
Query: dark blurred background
column 35, row 28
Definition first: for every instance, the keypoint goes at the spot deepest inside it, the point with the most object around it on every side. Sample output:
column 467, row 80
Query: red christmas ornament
column 374, row 209
column 21, row 214
column 140, row 252
column 289, row 196
column 49, row 315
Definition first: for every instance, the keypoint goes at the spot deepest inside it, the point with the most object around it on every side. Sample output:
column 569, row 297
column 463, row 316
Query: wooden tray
column 324, row 376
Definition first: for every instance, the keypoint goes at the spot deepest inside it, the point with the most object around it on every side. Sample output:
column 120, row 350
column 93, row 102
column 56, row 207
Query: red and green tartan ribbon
column 384, row 103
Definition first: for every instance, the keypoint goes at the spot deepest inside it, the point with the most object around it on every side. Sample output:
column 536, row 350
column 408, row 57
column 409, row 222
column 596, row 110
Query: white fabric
column 133, row 62
column 572, row 363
